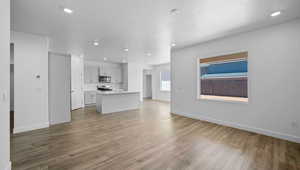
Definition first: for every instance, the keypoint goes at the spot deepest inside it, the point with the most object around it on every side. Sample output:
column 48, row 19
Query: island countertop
column 115, row 92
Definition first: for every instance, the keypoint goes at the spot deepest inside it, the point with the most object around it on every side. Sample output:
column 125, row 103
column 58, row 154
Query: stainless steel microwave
column 105, row 79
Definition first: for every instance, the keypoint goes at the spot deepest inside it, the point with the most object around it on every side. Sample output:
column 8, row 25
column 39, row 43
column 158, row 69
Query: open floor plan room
column 149, row 85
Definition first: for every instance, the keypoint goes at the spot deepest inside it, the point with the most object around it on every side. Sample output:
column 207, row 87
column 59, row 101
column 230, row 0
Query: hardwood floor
column 150, row 139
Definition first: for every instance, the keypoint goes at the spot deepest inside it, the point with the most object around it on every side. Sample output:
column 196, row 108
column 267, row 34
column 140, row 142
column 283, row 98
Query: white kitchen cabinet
column 90, row 97
column 116, row 75
column 91, row 74
column 105, row 70
column 102, row 70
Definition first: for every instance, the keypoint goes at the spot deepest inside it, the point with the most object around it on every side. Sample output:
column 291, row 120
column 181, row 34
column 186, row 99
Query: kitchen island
column 117, row 101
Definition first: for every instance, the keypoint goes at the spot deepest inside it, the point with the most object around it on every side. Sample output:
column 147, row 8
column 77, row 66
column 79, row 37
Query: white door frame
column 77, row 82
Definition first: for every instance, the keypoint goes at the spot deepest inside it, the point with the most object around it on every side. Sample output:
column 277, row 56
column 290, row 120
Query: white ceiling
column 142, row 26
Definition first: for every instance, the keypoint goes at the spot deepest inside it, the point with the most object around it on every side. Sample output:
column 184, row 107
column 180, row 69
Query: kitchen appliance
column 104, row 88
column 104, row 79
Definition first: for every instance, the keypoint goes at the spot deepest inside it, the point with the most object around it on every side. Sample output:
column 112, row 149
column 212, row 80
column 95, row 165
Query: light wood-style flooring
column 150, row 139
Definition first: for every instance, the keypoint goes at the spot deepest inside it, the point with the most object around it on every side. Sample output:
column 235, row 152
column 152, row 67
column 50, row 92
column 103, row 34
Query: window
column 224, row 77
column 165, row 81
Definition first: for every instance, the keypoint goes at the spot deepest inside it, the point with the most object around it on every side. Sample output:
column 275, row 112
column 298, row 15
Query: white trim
column 162, row 64
column 243, row 127
column 168, row 91
column 225, row 61
column 222, row 100
column 61, row 121
column 29, row 128
column 8, row 167
column 198, row 77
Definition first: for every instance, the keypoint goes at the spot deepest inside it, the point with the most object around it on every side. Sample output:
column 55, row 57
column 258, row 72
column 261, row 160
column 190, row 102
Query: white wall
column 274, row 81
column 4, row 84
column 157, row 94
column 135, row 78
column 31, row 93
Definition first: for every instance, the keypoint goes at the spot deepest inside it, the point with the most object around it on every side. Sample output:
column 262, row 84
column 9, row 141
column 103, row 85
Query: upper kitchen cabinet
column 116, row 75
column 91, row 73
column 112, row 70
column 105, row 70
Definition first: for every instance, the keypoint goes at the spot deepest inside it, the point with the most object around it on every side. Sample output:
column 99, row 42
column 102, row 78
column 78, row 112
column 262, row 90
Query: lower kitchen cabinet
column 90, row 97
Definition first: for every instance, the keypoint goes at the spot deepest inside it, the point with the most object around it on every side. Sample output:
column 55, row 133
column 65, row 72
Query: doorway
column 147, row 87
column 77, row 82
column 12, row 91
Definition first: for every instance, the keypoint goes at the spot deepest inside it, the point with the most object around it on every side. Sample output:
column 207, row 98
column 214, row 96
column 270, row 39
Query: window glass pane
column 165, row 76
column 224, row 76
column 165, row 81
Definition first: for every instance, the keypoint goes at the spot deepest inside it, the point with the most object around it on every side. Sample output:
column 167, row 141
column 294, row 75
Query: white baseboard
column 8, row 167
column 29, row 128
column 243, row 127
column 61, row 121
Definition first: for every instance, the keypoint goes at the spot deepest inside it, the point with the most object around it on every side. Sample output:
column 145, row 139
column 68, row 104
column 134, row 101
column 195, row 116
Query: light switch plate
column 4, row 96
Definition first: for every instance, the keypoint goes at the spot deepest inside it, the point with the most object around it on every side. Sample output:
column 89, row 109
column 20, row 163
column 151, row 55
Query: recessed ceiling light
column 173, row 44
column 149, row 54
column 96, row 43
column 126, row 49
column 68, row 11
column 174, row 11
column 104, row 58
column 274, row 14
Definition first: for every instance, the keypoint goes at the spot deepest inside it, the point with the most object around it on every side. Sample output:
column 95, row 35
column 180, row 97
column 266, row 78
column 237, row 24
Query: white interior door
column 59, row 88
column 77, row 82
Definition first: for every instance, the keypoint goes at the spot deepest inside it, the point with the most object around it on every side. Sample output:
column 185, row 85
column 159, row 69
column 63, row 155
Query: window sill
column 224, row 99
column 165, row 91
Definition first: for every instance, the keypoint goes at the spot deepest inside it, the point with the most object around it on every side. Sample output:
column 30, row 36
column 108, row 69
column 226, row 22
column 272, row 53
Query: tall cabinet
column 91, row 73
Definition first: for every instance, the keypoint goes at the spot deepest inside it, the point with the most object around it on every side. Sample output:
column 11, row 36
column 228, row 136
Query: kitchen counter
column 117, row 101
